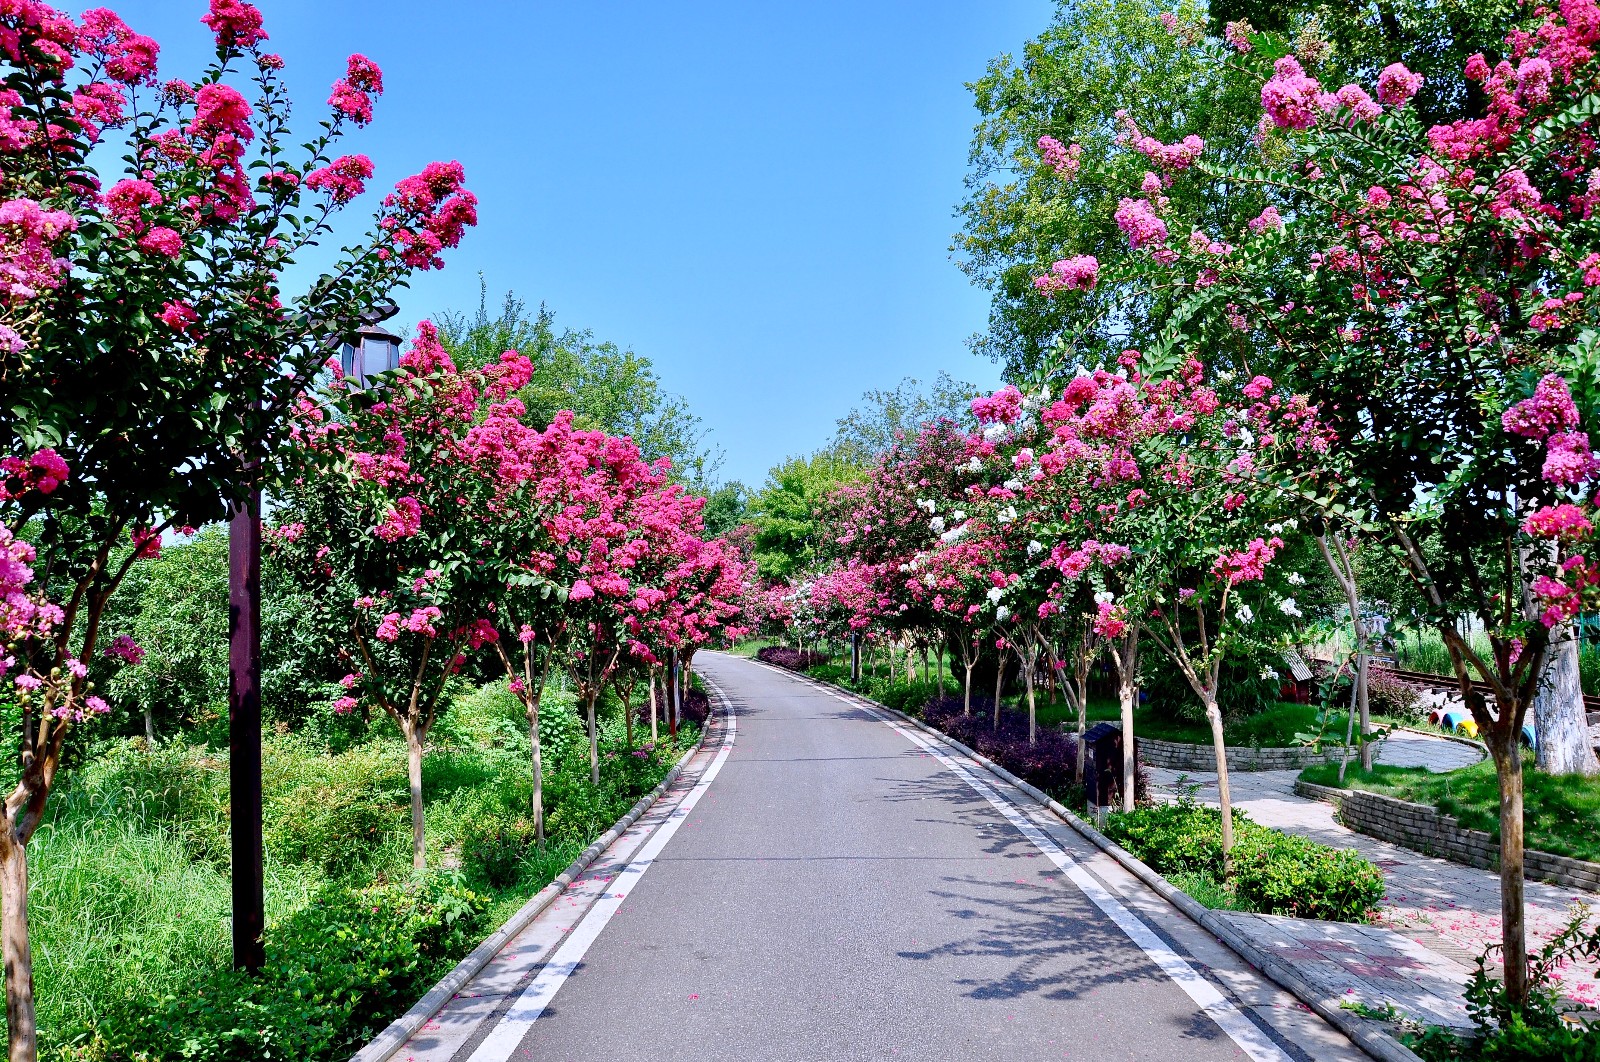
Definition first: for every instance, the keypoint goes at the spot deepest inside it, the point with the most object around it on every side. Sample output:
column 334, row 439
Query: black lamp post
column 370, row 351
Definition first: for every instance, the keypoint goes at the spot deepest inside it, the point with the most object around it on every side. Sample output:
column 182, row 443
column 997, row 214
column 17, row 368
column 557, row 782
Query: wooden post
column 244, row 732
column 855, row 658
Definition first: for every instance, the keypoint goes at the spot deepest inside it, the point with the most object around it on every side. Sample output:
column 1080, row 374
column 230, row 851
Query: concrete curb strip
column 384, row 1046
column 1367, row 1035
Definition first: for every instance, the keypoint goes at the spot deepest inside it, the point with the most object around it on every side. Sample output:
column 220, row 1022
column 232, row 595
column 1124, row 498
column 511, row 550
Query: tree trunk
column 1028, row 682
column 24, row 1035
column 655, row 732
column 1349, row 727
column 1368, row 749
column 1513, row 928
column 999, row 685
column 966, row 696
column 627, row 715
column 594, row 739
column 149, row 726
column 538, row 768
column 419, row 851
column 1224, row 798
column 1128, row 697
column 1560, row 725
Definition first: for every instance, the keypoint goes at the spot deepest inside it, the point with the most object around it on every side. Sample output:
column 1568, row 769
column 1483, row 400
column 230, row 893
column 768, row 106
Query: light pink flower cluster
column 1289, row 97
column 1267, row 220
column 1396, row 85
column 129, row 57
column 1138, row 219
column 28, row 263
column 1064, row 160
column 1078, row 273
column 1238, row 35
column 1550, row 409
column 1178, row 156
column 1568, row 461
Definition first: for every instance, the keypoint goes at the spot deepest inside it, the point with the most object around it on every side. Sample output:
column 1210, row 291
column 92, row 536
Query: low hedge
column 793, row 659
column 1274, row 873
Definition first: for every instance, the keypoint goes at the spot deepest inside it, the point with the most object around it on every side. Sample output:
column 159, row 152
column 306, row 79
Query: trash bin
column 1102, row 765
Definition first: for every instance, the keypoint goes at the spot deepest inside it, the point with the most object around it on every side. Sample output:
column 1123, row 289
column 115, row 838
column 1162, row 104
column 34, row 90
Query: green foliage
column 908, row 697
column 886, row 416
column 177, row 612
column 1274, row 873
column 1561, row 813
column 336, row 973
column 785, row 513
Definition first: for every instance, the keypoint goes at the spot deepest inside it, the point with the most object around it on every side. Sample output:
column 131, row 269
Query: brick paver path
column 1452, row 910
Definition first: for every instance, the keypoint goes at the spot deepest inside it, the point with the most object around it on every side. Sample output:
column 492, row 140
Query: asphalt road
column 840, row 893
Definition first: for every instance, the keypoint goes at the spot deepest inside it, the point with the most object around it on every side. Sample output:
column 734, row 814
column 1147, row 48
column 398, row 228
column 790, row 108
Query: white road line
column 1250, row 1039
column 508, row 1033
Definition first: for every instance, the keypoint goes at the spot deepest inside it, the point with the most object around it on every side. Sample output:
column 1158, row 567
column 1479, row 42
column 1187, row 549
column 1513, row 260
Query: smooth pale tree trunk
column 999, row 686
column 1125, row 655
column 419, row 850
column 1349, row 728
column 655, row 732
column 16, row 949
column 1561, row 727
column 594, row 739
column 627, row 713
column 966, row 688
column 1224, row 797
column 1032, row 716
column 149, row 726
column 1344, row 574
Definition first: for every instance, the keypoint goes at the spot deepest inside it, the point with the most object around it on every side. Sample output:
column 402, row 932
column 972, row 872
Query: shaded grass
column 1561, row 813
column 1274, row 728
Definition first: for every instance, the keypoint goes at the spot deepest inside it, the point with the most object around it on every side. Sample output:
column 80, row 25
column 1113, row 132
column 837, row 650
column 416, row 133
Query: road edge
column 1364, row 1034
column 387, row 1043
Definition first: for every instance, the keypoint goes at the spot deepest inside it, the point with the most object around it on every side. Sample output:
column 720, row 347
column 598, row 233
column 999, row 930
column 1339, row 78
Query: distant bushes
column 793, row 659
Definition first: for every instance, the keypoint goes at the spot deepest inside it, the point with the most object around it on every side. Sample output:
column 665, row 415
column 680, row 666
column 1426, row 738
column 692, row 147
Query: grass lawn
column 1274, row 728
column 1561, row 813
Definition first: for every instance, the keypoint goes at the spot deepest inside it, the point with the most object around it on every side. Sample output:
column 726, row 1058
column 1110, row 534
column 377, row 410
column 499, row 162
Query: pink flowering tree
column 1423, row 285
column 394, row 522
column 147, row 340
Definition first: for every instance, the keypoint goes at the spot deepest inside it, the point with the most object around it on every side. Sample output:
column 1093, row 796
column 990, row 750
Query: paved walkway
column 1451, row 910
column 823, row 884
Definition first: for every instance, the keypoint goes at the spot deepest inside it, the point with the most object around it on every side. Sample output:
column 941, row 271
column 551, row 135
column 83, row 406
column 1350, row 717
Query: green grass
column 130, row 896
column 1207, row 891
column 1561, row 813
column 1274, row 728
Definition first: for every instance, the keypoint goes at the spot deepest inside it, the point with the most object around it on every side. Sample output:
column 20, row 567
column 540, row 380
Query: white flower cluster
column 1245, row 614
column 937, row 523
column 1035, row 547
column 1006, row 515
column 1289, row 607
column 995, row 594
column 974, row 464
column 1104, row 597
column 1296, row 579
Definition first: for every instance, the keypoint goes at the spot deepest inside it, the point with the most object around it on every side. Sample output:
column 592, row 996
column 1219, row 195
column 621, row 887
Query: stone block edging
column 384, row 1046
column 1368, row 1035
column 1182, row 756
column 1431, row 832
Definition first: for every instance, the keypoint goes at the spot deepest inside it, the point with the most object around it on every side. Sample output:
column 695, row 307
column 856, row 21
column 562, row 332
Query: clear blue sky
column 756, row 196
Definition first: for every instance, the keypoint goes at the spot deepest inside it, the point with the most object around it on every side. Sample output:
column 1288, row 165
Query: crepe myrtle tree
column 1418, row 284
column 394, row 521
column 146, row 338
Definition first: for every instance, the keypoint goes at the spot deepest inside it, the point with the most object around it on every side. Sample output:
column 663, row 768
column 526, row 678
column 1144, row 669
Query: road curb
column 384, row 1046
column 1365, row 1034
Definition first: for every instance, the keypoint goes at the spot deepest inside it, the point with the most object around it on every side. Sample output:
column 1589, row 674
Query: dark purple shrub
column 1050, row 762
column 696, row 707
column 793, row 659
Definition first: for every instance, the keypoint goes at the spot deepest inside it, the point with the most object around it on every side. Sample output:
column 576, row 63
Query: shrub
column 793, row 659
column 1050, row 762
column 1274, row 873
column 336, row 973
column 836, row 673
column 1389, row 694
column 907, row 697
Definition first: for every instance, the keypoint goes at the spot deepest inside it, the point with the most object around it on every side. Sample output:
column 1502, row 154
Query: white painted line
column 1240, row 1029
column 510, row 1030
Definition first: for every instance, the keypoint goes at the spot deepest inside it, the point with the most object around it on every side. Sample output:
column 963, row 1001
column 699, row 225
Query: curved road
column 827, row 885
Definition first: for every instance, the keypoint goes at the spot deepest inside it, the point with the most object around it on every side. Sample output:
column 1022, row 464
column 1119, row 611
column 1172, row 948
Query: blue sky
column 756, row 196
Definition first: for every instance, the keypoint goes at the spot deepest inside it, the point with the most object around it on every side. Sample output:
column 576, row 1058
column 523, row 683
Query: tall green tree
column 786, row 512
column 887, row 415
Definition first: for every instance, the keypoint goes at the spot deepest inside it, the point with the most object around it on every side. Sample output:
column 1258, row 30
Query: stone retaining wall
column 1431, row 832
column 1178, row 756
